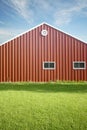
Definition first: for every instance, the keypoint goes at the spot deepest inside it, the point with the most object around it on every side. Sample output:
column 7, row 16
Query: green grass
column 43, row 106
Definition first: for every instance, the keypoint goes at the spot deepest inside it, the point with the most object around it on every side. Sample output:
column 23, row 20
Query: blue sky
column 17, row 16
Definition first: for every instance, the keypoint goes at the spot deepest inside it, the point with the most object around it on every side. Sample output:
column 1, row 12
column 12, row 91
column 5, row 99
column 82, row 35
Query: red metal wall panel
column 21, row 59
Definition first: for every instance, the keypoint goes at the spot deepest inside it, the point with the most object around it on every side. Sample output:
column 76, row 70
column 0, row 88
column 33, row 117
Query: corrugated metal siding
column 21, row 59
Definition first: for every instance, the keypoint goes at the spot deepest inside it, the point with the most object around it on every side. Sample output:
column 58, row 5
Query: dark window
column 76, row 65
column 82, row 65
column 51, row 65
column 48, row 65
column 79, row 65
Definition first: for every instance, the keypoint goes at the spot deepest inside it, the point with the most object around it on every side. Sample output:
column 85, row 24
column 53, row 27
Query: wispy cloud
column 29, row 9
column 22, row 8
column 65, row 15
column 62, row 11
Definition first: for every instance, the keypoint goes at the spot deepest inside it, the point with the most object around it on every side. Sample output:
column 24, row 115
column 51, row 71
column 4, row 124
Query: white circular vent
column 44, row 32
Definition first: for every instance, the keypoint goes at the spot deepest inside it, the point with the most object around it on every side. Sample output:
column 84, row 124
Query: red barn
column 43, row 54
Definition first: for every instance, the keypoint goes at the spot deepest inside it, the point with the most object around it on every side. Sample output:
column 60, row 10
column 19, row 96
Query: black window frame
column 78, row 65
column 50, row 65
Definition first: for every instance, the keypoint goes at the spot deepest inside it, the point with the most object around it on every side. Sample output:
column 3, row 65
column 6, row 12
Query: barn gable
column 43, row 54
column 42, row 24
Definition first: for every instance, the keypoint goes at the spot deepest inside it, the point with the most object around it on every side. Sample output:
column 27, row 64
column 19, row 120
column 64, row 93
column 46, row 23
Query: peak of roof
column 38, row 26
column 24, row 32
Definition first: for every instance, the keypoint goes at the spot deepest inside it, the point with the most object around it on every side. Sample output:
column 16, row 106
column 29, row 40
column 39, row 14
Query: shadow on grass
column 44, row 87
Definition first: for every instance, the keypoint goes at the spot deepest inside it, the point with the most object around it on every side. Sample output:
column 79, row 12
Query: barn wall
column 21, row 59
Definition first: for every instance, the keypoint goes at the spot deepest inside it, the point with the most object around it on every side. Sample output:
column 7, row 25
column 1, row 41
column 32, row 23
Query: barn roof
column 38, row 26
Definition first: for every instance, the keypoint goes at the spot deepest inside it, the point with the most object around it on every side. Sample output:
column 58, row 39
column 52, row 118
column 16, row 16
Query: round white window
column 44, row 32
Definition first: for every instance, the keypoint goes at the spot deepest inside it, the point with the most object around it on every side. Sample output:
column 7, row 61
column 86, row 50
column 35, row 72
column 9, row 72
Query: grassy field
column 46, row 106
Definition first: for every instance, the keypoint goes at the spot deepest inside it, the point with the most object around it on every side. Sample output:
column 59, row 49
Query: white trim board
column 22, row 33
column 38, row 26
column 79, row 62
column 49, row 68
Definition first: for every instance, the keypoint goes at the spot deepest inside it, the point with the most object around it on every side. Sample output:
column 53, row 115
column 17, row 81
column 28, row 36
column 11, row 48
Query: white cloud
column 29, row 9
column 61, row 11
column 22, row 8
column 65, row 15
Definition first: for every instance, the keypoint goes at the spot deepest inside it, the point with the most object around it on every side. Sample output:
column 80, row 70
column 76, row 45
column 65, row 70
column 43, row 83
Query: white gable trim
column 22, row 33
column 64, row 32
column 38, row 26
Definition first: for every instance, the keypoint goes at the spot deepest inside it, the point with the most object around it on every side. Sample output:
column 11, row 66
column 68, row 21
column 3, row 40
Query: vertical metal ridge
column 18, row 58
column 7, row 62
column 46, row 57
column 33, row 55
column 54, row 42
column 10, row 61
column 40, row 57
column 85, row 60
column 4, row 62
column 72, row 58
column 1, row 63
column 21, row 59
column 15, row 46
column 13, row 62
column 36, row 55
column 61, row 78
column 69, row 61
column 64, row 59
column 51, row 52
column 43, row 55
column 24, row 57
column 79, row 59
column 27, row 56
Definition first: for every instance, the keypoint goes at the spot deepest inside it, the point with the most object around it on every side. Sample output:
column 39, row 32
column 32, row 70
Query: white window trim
column 79, row 62
column 49, row 68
